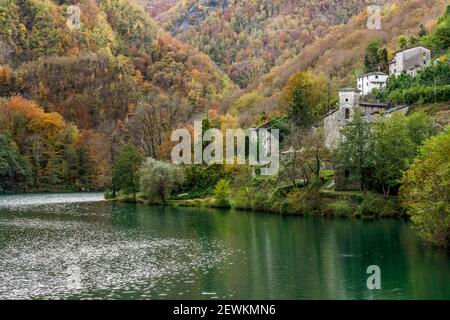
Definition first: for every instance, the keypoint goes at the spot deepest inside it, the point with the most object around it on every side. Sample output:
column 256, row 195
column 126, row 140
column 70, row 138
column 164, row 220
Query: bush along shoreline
column 326, row 203
column 395, row 167
column 331, row 204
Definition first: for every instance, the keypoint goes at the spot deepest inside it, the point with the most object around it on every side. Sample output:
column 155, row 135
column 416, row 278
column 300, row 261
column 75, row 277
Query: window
column 424, row 61
column 346, row 174
column 347, row 113
column 376, row 77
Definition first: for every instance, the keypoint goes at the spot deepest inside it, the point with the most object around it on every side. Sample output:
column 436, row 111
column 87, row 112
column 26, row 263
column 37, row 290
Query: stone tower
column 335, row 121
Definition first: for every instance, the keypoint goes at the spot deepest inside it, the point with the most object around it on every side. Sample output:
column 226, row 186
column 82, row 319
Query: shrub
column 158, row 179
column 222, row 194
column 241, row 199
column 425, row 190
column 341, row 208
column 201, row 179
column 374, row 205
column 302, row 201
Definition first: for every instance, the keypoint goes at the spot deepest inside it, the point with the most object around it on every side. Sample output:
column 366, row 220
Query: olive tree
column 158, row 179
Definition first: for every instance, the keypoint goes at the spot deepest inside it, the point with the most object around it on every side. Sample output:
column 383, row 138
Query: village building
column 338, row 118
column 410, row 60
column 373, row 80
column 350, row 100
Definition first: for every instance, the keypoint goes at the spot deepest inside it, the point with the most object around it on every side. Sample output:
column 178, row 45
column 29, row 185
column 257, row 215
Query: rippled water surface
column 49, row 242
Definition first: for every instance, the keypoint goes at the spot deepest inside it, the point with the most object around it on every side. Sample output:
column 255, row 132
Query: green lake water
column 129, row 251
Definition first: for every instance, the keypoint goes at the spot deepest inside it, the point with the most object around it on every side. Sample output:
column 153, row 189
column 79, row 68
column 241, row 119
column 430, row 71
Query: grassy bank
column 340, row 204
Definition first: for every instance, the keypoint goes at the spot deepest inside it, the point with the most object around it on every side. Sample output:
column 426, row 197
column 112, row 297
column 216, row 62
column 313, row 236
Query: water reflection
column 17, row 200
column 134, row 251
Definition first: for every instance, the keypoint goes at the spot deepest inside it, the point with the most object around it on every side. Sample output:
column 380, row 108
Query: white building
column 373, row 80
column 410, row 60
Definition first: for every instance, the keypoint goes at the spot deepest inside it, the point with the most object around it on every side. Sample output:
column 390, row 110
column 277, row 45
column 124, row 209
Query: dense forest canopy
column 97, row 79
column 72, row 97
column 247, row 38
column 113, row 34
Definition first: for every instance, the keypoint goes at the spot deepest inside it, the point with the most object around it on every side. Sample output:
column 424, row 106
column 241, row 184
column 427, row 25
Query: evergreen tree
column 85, row 168
column 423, row 31
column 300, row 112
column 354, row 152
column 14, row 169
column 376, row 58
column 402, row 42
column 125, row 170
column 393, row 149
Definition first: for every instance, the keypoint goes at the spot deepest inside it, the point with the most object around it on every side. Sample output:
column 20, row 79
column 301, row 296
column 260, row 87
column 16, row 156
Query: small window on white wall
column 347, row 113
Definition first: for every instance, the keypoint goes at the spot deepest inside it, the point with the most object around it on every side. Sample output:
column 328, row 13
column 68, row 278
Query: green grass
column 340, row 208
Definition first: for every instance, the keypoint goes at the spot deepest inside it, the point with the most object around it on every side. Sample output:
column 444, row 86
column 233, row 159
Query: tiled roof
column 375, row 73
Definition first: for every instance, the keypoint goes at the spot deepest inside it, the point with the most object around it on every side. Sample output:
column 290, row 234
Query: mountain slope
column 339, row 54
column 71, row 97
column 117, row 54
column 247, row 38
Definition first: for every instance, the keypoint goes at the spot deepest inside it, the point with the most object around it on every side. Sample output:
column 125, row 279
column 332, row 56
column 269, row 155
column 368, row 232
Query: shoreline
column 333, row 204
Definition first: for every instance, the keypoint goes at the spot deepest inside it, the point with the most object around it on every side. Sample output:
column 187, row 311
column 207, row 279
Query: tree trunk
column 133, row 184
column 111, row 150
column 163, row 197
column 318, row 164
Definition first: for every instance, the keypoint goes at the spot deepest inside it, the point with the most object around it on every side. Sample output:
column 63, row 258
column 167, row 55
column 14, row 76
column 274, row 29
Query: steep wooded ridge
column 338, row 55
column 101, row 69
column 247, row 38
column 70, row 96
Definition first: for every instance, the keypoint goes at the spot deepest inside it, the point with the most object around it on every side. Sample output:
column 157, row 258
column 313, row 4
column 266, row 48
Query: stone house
column 350, row 101
column 410, row 60
column 338, row 118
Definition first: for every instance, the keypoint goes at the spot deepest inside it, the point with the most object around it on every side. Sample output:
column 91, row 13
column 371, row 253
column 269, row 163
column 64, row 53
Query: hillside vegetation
column 339, row 55
column 247, row 38
column 98, row 82
column 114, row 35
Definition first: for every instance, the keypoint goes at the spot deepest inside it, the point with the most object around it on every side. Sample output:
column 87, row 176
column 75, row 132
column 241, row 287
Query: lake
column 76, row 246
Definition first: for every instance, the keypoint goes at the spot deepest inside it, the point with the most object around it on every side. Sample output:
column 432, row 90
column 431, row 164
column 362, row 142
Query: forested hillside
column 337, row 58
column 70, row 98
column 65, row 90
column 247, row 38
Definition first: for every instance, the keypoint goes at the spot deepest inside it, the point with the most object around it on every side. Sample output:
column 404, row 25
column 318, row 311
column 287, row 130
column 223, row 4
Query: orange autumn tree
column 37, row 120
column 60, row 155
